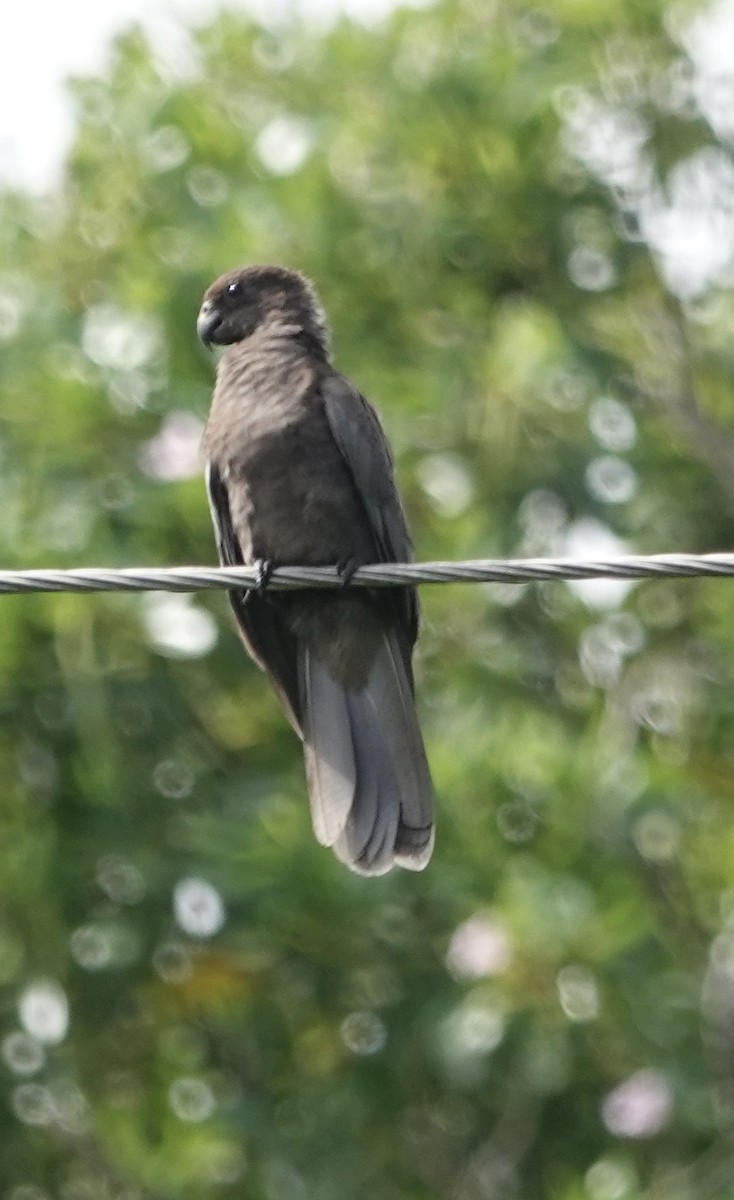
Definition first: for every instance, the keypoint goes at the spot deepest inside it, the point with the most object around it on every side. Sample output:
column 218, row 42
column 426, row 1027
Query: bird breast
column 291, row 495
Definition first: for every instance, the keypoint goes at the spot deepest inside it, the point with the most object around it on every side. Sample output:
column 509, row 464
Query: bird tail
column 368, row 778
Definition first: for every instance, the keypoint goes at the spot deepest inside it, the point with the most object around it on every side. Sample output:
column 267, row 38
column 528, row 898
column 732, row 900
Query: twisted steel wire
column 489, row 570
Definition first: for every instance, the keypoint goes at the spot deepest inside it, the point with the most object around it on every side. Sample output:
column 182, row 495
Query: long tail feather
column 369, row 783
column 331, row 770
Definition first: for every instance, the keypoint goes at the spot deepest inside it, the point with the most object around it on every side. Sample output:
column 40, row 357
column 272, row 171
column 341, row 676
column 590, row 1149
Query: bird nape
column 299, row 471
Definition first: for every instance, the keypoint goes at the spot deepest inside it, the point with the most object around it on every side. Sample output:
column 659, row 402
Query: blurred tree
column 520, row 220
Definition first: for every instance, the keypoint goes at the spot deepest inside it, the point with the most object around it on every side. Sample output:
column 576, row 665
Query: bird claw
column 264, row 568
column 345, row 570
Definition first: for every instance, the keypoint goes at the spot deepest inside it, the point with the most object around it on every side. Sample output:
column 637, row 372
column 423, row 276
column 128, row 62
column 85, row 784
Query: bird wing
column 357, row 431
column 265, row 633
column 230, row 553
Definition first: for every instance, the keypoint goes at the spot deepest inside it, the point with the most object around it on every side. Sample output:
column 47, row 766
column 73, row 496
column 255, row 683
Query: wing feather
column 357, row 431
column 262, row 620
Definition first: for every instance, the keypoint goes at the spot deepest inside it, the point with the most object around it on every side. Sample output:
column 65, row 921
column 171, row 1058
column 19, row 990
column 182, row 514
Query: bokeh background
column 521, row 220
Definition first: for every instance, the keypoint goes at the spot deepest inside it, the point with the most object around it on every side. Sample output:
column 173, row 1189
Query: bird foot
column 264, row 568
column 345, row 570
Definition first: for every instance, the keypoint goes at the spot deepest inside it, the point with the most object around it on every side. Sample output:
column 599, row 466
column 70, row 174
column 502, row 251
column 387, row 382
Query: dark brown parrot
column 299, row 471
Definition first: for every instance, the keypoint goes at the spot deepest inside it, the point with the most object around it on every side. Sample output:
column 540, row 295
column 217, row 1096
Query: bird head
column 253, row 298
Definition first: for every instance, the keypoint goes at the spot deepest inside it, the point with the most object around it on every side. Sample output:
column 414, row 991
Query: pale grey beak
column 207, row 322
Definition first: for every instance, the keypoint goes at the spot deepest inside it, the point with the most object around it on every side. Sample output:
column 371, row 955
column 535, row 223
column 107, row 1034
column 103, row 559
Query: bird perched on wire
column 299, row 471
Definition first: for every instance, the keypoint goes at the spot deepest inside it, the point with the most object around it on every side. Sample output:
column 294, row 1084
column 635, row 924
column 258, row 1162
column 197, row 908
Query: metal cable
column 490, row 570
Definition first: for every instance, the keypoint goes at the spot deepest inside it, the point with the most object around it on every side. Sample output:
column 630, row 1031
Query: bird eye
column 233, row 289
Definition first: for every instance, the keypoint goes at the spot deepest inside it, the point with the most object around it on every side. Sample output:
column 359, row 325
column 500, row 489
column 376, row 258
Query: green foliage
column 547, row 1010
